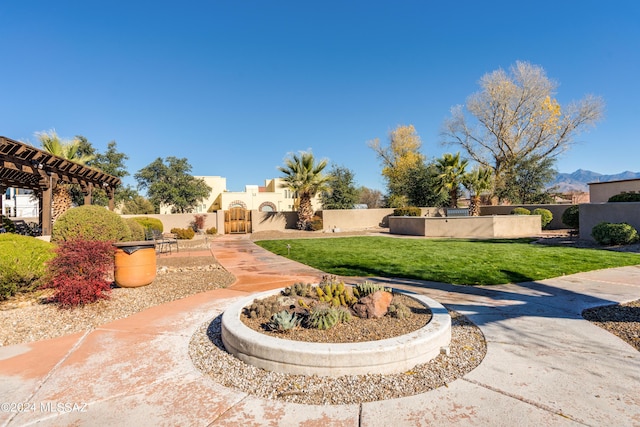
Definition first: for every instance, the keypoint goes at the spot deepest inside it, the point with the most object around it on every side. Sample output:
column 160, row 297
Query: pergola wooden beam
column 24, row 166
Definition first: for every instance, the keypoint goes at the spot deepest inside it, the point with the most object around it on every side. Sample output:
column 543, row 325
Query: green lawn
column 458, row 261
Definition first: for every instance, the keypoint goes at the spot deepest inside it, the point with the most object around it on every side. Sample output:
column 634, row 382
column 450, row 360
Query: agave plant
column 283, row 321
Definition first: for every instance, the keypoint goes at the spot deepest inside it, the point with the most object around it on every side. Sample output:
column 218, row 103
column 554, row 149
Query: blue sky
column 234, row 86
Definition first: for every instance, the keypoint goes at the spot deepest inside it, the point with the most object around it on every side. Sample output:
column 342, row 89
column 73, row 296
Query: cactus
column 361, row 290
column 323, row 318
column 283, row 321
column 262, row 308
column 344, row 314
column 298, row 289
column 399, row 310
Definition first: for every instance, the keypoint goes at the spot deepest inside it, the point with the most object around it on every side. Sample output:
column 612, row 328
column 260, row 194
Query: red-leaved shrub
column 79, row 270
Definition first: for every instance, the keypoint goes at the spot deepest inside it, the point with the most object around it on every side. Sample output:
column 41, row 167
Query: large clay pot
column 135, row 263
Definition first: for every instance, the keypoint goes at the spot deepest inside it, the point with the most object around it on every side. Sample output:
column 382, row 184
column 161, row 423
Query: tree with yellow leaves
column 404, row 169
column 517, row 119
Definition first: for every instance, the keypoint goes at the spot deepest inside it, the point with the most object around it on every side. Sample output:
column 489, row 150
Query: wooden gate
column 237, row 221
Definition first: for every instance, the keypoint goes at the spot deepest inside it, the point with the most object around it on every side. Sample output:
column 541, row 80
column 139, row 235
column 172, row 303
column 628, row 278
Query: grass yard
column 457, row 261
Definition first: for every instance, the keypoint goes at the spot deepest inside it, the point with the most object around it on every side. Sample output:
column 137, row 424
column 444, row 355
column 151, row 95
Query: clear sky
column 234, row 85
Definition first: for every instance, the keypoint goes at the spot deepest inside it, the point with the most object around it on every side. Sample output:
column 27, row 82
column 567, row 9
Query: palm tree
column 478, row 181
column 450, row 172
column 68, row 150
column 303, row 176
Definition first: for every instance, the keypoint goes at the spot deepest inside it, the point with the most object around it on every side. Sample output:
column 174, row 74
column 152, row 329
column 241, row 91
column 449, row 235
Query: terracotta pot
column 135, row 263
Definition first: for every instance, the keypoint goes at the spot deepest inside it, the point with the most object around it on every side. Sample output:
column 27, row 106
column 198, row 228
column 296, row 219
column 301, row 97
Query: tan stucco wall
column 265, row 221
column 600, row 192
column 592, row 214
column 556, row 211
column 345, row 219
column 502, row 226
column 182, row 220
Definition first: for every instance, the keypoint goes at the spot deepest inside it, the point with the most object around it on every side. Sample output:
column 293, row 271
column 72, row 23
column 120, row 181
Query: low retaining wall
column 592, row 214
column 556, row 210
column 481, row 227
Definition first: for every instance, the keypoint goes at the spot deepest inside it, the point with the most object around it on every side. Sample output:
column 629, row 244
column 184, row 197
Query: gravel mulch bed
column 467, row 350
column 622, row 320
column 26, row 318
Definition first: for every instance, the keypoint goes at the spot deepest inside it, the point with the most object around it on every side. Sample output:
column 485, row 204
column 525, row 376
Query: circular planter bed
column 391, row 355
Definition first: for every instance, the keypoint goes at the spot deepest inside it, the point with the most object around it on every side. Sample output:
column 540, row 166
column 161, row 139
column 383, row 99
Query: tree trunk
column 305, row 213
column 62, row 201
column 474, row 205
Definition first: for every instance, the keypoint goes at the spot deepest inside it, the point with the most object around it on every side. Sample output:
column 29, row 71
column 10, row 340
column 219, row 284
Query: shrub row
column 407, row 211
column 545, row 214
column 625, row 197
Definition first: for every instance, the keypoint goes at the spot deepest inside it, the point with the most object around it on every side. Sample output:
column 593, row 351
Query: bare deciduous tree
column 518, row 118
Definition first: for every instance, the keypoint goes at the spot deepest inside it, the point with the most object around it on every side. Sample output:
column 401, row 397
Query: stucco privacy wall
column 355, row 218
column 503, row 226
column 592, row 214
column 600, row 192
column 556, row 211
column 170, row 221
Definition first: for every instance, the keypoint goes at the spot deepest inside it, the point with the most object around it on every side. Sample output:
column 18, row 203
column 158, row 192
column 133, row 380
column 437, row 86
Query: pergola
column 24, row 166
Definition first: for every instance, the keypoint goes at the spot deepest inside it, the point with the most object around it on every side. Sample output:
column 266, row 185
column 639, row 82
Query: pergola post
column 46, row 200
column 2, row 190
column 87, row 194
column 111, row 193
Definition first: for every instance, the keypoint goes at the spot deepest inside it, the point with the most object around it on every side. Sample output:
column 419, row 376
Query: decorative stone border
column 393, row 355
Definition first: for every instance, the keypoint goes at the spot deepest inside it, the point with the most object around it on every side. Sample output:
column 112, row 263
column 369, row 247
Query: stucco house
column 271, row 197
column 600, row 192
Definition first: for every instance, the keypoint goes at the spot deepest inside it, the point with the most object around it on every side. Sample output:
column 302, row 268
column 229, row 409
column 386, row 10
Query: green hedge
column 148, row 222
column 90, row 222
column 571, row 217
column 607, row 233
column 520, row 211
column 545, row 216
column 137, row 230
column 408, row 211
column 625, row 197
column 23, row 262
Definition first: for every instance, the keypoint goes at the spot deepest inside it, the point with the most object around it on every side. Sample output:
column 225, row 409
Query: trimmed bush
column 625, row 197
column 212, row 230
column 607, row 233
column 183, row 233
column 545, row 216
column 520, row 211
column 571, row 217
column 7, row 224
column 78, row 272
column 22, row 263
column 408, row 211
column 90, row 222
column 137, row 230
column 148, row 222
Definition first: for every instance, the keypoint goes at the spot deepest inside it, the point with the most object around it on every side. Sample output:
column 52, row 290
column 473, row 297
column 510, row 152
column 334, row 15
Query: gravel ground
column 467, row 349
column 26, row 318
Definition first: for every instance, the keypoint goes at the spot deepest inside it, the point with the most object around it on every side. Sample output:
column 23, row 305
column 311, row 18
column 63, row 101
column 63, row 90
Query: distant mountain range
column 578, row 180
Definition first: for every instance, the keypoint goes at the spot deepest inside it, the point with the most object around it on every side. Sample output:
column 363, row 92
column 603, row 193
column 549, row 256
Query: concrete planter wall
column 480, row 227
column 391, row 355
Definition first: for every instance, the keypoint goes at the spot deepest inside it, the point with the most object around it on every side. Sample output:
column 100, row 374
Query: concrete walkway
column 545, row 365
